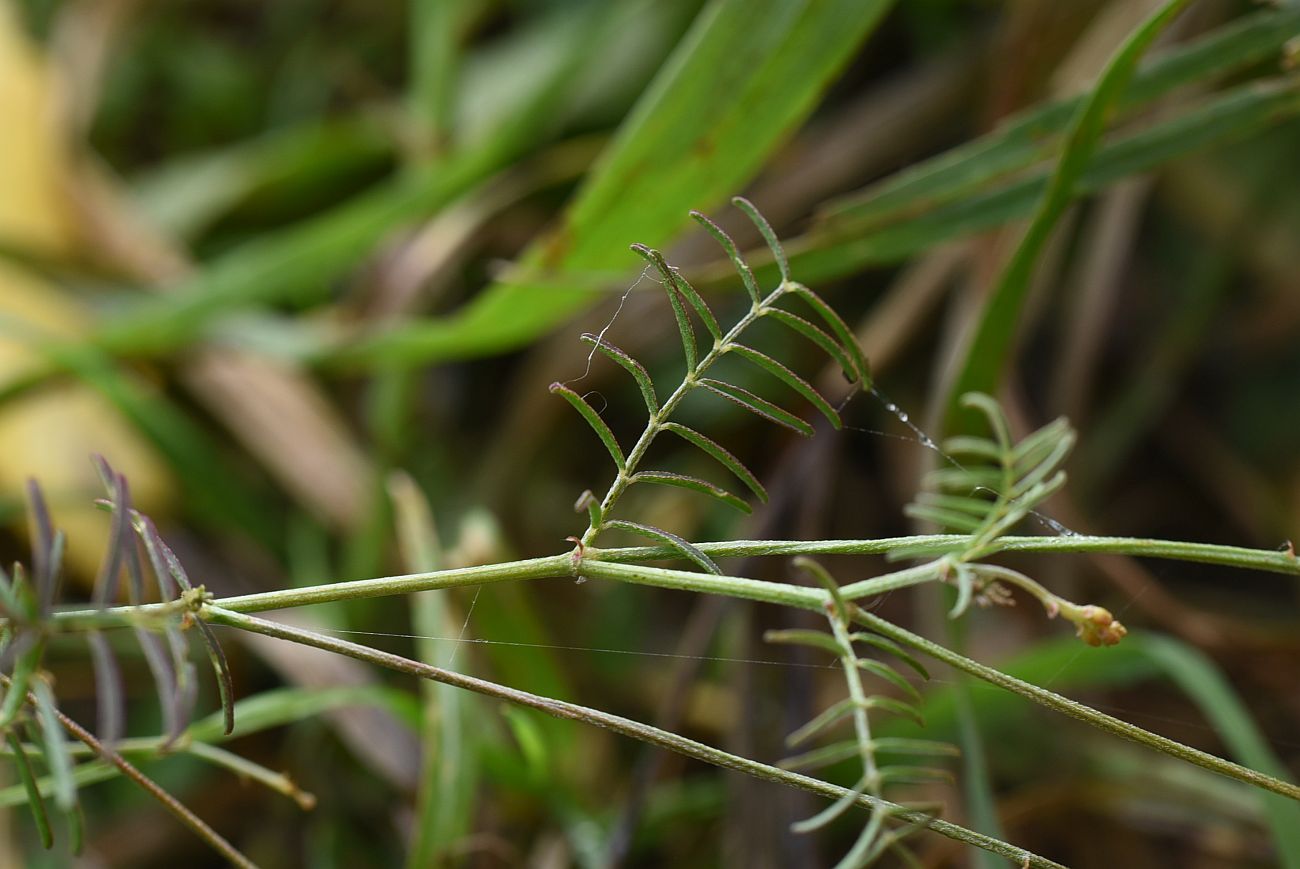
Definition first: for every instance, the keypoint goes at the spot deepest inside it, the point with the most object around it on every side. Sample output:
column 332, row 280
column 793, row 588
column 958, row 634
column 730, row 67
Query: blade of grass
column 1197, row 675
column 445, row 798
column 980, row 366
column 1034, row 134
column 689, row 140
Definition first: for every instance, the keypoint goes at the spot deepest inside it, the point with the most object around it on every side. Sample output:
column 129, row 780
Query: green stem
column 618, row 724
column 1075, row 709
column 1272, row 561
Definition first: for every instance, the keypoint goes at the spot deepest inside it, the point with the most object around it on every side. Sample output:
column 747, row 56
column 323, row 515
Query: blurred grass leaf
column 736, row 87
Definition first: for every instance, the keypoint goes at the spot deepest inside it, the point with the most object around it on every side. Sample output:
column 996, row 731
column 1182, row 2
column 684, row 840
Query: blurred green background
column 279, row 261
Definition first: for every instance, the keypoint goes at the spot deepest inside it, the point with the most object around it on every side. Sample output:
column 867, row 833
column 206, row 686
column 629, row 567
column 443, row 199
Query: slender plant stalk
column 618, row 724
column 1076, row 709
column 196, row 824
column 1268, row 560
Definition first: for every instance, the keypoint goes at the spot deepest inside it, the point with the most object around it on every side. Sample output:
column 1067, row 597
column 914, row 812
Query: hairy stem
column 1272, row 561
column 618, row 724
column 1076, row 709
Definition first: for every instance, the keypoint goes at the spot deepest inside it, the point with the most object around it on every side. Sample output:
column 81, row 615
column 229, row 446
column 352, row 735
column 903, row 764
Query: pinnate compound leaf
column 724, row 457
column 593, row 419
column 688, row 551
column 756, row 405
column 694, row 484
column 789, row 378
column 636, row 369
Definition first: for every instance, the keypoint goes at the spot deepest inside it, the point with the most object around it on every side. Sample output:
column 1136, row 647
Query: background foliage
column 267, row 256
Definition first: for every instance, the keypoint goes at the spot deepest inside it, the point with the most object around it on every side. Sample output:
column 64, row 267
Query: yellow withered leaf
column 49, row 432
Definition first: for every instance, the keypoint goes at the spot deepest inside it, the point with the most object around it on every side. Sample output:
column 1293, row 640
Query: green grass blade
column 687, row 142
column 1031, row 136
column 1202, row 681
column 986, row 354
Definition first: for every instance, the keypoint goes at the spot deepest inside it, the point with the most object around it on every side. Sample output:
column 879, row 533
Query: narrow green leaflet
column 789, row 378
column 1033, row 135
column 847, row 340
column 35, row 802
column 812, row 639
column 636, row 369
column 670, row 278
column 55, row 746
column 694, row 484
column 737, row 261
column 688, row 550
column 593, row 419
column 817, row 336
column 759, row 406
column 723, row 457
